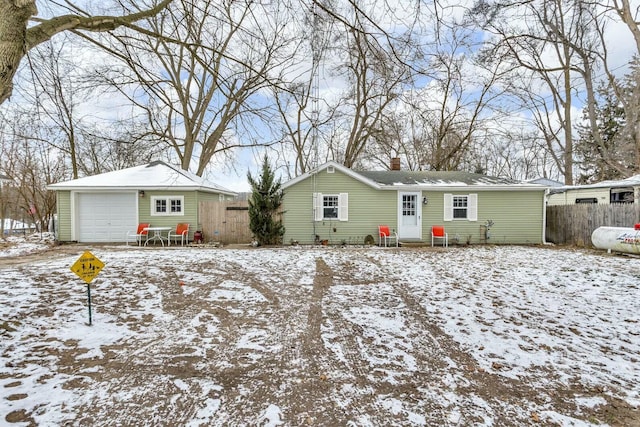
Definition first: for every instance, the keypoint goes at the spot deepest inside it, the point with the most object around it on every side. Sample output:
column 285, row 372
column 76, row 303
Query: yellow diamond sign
column 87, row 267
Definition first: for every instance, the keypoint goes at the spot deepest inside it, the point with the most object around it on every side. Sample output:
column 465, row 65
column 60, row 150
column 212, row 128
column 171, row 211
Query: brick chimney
column 395, row 163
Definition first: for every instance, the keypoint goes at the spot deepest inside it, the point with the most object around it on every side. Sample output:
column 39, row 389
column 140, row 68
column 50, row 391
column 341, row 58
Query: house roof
column 632, row 181
column 434, row 178
column 156, row 175
column 394, row 179
column 546, row 181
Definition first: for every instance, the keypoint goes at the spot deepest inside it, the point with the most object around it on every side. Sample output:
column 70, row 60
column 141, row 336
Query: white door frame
column 410, row 216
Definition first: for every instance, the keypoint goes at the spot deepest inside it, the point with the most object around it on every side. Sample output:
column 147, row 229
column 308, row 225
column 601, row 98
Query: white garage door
column 106, row 217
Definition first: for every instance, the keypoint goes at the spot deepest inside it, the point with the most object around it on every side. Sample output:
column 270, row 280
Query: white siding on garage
column 105, row 217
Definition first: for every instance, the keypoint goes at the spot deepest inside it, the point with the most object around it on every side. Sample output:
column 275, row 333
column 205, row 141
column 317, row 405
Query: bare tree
column 297, row 100
column 617, row 155
column 54, row 95
column 32, row 164
column 547, row 41
column 196, row 90
column 17, row 37
column 433, row 128
column 375, row 81
column 629, row 16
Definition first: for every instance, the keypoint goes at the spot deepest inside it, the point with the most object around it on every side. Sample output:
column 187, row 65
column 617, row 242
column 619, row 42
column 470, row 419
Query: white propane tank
column 617, row 239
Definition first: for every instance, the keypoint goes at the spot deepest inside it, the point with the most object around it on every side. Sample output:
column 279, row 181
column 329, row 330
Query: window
column 169, row 205
column 409, row 205
column 460, row 207
column 621, row 195
column 331, row 207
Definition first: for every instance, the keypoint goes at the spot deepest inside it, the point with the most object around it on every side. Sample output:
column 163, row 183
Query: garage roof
column 156, row 175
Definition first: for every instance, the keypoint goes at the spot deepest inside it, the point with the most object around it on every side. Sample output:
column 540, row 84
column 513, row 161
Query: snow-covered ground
column 481, row 335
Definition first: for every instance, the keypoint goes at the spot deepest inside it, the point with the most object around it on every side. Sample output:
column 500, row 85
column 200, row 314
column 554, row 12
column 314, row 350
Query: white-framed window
column 460, row 207
column 331, row 207
column 167, row 205
column 330, row 203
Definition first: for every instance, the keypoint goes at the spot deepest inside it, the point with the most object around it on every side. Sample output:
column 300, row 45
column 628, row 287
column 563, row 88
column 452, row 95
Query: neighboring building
column 12, row 226
column 605, row 192
column 105, row 207
column 546, row 182
column 339, row 205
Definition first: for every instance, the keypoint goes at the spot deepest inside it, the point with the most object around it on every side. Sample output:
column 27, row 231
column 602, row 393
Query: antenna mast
column 315, row 84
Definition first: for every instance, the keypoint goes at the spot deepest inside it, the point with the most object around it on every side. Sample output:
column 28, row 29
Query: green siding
column 191, row 202
column 63, row 209
column 517, row 215
column 190, row 210
column 368, row 208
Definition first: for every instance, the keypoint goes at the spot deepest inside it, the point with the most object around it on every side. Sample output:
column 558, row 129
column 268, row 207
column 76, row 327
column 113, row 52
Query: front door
column 409, row 216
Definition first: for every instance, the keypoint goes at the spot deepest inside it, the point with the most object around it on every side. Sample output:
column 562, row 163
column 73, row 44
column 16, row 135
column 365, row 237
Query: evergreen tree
column 264, row 205
column 591, row 156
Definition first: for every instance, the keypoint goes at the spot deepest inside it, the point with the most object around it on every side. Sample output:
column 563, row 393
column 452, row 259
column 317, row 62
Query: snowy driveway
column 322, row 336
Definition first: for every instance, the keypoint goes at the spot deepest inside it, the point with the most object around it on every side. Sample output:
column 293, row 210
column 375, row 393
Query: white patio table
column 157, row 234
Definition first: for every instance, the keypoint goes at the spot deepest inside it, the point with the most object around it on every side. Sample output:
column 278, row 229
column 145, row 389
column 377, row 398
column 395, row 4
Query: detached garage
column 103, row 208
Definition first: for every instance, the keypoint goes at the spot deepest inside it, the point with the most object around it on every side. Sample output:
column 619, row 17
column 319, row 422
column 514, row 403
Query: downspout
column 544, row 217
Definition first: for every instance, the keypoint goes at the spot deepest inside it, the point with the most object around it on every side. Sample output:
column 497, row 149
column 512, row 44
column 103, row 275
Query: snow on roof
column 435, row 178
column 545, row 181
column 392, row 179
column 156, row 175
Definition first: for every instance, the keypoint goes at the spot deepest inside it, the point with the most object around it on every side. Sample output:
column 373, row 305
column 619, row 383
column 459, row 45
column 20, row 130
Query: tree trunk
column 13, row 34
column 16, row 40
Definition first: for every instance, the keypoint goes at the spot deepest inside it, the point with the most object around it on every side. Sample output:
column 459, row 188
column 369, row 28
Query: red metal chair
column 182, row 233
column 386, row 236
column 140, row 233
column 438, row 232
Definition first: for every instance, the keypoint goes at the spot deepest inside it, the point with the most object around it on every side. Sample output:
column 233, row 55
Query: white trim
column 343, row 206
column 345, row 170
column 73, row 201
column 448, row 207
column 412, row 231
column 168, row 199
column 317, row 207
column 461, row 189
column 472, row 207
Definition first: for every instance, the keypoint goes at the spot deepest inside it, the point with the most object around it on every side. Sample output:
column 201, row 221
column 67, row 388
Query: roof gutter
column 427, row 187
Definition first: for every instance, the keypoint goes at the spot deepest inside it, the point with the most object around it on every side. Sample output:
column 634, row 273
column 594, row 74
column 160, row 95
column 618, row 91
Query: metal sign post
column 89, row 299
column 87, row 268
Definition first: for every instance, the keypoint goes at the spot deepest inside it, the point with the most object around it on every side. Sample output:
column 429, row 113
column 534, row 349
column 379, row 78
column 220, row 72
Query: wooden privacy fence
column 573, row 224
column 225, row 222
